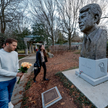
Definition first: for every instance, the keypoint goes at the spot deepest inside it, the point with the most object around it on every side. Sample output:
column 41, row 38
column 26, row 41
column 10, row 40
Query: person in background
column 36, row 48
column 3, row 45
column 9, row 66
column 41, row 60
column 2, row 42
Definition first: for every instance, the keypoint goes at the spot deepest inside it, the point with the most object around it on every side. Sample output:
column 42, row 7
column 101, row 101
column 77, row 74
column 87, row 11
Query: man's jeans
column 6, row 89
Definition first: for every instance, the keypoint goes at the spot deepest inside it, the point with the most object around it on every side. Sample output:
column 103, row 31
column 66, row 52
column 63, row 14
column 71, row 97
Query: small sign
column 50, row 97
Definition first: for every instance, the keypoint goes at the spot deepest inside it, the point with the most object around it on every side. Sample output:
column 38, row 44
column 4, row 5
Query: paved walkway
column 19, row 88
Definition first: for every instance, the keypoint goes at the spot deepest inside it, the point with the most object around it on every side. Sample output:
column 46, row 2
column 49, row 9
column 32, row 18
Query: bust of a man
column 95, row 39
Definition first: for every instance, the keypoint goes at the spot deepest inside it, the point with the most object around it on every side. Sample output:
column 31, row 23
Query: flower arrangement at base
column 24, row 67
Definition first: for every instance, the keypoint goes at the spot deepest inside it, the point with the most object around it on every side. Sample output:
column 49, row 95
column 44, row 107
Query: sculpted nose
column 79, row 20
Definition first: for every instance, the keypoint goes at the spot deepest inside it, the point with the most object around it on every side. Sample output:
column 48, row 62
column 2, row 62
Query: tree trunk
column 52, row 41
column 3, row 26
column 52, row 36
column 3, row 23
column 69, row 41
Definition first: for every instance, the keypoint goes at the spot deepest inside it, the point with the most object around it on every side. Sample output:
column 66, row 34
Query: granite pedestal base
column 91, row 80
column 93, row 71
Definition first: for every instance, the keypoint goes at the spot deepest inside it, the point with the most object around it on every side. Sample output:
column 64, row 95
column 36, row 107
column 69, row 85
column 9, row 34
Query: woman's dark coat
column 39, row 59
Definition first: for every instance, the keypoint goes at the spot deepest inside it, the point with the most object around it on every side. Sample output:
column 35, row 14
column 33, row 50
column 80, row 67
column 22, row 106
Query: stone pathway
column 19, row 88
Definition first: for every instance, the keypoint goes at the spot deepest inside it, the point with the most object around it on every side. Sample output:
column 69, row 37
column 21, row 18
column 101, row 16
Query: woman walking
column 41, row 58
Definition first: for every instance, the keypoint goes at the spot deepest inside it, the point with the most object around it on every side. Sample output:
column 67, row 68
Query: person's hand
column 20, row 74
column 39, row 67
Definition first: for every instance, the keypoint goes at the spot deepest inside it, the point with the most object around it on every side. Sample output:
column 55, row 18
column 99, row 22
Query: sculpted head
column 89, row 17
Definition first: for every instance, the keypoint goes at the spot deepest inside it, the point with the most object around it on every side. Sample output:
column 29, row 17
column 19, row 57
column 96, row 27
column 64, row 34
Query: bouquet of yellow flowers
column 24, row 67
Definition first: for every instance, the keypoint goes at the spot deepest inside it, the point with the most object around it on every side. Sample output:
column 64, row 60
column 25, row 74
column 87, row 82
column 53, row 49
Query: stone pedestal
column 93, row 71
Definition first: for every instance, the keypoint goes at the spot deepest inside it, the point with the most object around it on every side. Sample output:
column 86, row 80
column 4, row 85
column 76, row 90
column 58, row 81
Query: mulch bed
column 60, row 62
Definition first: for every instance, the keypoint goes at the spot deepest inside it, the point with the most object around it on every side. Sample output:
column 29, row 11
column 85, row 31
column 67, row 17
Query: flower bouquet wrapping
column 24, row 67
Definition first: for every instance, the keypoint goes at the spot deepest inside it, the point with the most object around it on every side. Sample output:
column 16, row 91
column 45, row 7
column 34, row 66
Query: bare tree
column 68, row 12
column 68, row 16
column 44, row 12
column 11, row 12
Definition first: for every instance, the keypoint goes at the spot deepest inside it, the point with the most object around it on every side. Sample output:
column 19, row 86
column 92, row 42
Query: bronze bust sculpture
column 95, row 39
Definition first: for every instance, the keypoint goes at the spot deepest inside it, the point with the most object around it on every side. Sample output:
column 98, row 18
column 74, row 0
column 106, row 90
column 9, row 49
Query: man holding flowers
column 24, row 67
column 9, row 66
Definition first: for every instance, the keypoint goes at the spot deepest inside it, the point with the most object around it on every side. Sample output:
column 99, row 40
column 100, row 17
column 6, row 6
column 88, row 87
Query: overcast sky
column 29, row 23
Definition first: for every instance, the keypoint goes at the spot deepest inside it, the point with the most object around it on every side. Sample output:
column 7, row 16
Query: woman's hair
column 44, row 53
column 43, row 50
column 40, row 47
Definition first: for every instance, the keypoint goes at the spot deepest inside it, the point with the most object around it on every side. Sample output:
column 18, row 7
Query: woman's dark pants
column 36, row 71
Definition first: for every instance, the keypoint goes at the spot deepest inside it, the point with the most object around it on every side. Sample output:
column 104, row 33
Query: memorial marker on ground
column 50, row 97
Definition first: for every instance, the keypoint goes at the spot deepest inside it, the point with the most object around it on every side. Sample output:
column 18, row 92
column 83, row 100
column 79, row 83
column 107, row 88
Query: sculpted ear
column 96, row 18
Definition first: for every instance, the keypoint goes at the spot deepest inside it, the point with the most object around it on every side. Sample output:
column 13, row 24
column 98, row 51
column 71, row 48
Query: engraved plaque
column 50, row 97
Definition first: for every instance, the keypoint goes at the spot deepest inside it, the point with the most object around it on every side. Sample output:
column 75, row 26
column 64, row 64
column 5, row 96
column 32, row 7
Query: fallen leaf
column 34, row 102
column 63, row 92
column 30, row 98
column 72, row 86
column 62, row 103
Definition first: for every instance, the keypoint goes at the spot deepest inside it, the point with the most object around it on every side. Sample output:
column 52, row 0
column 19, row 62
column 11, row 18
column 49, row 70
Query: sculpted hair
column 93, row 9
column 10, row 40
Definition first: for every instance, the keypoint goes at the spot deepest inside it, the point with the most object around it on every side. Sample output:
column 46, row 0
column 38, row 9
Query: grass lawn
column 21, row 56
column 21, row 52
